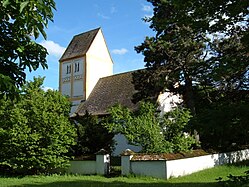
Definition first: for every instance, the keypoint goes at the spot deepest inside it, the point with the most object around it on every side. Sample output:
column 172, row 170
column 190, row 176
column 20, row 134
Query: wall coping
column 168, row 156
column 128, row 152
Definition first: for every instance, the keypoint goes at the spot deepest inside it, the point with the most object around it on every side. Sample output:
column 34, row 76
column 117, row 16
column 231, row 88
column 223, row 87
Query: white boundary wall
column 148, row 168
column 100, row 166
column 187, row 166
column 86, row 167
column 180, row 167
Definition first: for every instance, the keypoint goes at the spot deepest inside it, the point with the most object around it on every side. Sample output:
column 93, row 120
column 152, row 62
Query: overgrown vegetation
column 91, row 135
column 35, row 131
column 155, row 133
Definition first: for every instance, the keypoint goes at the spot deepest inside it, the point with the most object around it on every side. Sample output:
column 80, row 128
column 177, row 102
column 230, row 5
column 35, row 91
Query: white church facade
column 86, row 78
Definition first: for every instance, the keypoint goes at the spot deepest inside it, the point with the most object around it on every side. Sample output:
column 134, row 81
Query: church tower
column 84, row 62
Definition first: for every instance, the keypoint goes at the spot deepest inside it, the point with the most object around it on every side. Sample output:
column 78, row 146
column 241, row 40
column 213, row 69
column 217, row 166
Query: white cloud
column 47, row 88
column 147, row 8
column 119, row 51
column 103, row 16
column 53, row 48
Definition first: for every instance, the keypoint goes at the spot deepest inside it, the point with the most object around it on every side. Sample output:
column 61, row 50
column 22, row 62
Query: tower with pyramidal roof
column 83, row 63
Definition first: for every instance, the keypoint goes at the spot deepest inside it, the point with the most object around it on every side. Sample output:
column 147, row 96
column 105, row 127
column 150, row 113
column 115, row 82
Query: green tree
column 199, row 44
column 220, row 124
column 35, row 131
column 92, row 136
column 20, row 21
column 175, row 129
column 155, row 133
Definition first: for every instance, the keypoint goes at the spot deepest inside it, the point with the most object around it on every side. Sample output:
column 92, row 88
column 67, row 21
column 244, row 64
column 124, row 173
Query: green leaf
column 5, row 3
column 20, row 49
column 23, row 5
column 16, row 40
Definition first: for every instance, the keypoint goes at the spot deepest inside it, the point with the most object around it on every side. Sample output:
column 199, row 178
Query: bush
column 92, row 136
column 175, row 129
column 35, row 131
column 154, row 133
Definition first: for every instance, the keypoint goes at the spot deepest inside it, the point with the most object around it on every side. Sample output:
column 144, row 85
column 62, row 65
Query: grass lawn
column 204, row 178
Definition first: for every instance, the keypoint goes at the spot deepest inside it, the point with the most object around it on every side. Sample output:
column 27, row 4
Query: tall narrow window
column 67, row 69
column 75, row 67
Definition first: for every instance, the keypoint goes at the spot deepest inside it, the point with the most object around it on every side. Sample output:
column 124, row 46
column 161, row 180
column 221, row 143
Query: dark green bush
column 92, row 135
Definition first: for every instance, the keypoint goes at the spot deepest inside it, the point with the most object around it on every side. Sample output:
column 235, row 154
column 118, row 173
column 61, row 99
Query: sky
column 121, row 23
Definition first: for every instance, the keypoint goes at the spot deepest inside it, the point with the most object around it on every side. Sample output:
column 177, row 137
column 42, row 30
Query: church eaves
column 79, row 45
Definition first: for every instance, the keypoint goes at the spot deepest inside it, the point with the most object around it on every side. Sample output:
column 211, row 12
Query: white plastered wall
column 167, row 101
column 73, row 79
column 78, row 78
column 98, row 62
column 65, row 79
column 122, row 144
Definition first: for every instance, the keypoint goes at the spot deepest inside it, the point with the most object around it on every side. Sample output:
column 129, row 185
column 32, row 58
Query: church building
column 86, row 77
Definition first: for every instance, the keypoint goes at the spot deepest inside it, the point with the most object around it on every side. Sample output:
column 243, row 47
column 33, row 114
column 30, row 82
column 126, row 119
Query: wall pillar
column 126, row 157
column 102, row 163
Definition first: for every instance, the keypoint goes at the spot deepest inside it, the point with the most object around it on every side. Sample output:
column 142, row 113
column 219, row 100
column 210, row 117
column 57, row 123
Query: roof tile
column 79, row 45
column 108, row 92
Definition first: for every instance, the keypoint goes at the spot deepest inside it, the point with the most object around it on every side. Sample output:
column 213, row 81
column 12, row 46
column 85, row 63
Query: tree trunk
column 188, row 97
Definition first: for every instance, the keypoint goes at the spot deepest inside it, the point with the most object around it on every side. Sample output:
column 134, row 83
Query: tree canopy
column 153, row 132
column 198, row 44
column 20, row 21
column 35, row 131
column 92, row 136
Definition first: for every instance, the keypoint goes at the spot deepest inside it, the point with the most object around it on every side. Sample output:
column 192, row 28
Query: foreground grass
column 204, row 178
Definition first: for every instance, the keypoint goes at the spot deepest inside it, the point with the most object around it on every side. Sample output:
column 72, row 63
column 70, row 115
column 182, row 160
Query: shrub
column 92, row 136
column 146, row 128
column 174, row 127
column 35, row 131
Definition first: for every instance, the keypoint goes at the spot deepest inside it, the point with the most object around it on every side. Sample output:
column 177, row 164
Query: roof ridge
column 99, row 28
